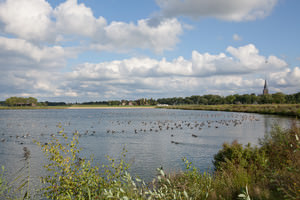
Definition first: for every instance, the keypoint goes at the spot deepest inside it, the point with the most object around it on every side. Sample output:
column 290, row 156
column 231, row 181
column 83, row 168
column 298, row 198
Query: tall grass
column 4, row 186
column 270, row 171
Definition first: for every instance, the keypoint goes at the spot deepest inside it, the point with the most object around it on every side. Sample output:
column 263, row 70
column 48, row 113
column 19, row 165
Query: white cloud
column 250, row 59
column 286, row 78
column 237, row 71
column 245, row 60
column 120, row 36
column 36, row 21
column 19, row 52
column 77, row 19
column 242, row 60
column 34, row 56
column 34, row 53
column 27, row 19
column 230, row 10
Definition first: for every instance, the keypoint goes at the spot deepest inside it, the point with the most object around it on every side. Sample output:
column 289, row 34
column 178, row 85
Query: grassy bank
column 275, row 109
column 271, row 171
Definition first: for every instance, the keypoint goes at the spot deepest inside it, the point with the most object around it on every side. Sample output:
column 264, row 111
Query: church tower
column 265, row 91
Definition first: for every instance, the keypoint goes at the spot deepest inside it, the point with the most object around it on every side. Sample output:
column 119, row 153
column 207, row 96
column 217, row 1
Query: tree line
column 210, row 99
column 278, row 98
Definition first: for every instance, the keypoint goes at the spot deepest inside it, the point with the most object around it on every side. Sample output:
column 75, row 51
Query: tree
column 21, row 101
column 278, row 97
column 229, row 99
column 266, row 98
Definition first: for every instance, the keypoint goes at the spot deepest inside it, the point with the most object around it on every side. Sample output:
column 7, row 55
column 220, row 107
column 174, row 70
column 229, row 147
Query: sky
column 97, row 50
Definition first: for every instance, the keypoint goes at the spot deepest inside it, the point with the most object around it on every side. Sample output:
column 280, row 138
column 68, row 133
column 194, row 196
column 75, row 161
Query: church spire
column 265, row 91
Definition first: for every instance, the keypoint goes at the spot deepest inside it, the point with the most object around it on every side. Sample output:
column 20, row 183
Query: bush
column 70, row 177
column 271, row 171
column 236, row 167
column 283, row 149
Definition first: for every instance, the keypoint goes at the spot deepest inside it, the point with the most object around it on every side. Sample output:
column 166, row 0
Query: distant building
column 265, row 91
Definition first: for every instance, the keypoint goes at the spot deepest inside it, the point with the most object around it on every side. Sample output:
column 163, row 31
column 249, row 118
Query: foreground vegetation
column 278, row 109
column 271, row 171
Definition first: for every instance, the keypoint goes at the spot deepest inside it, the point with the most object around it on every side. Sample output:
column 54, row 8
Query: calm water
column 153, row 137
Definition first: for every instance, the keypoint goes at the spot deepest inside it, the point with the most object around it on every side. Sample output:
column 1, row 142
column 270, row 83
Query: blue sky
column 93, row 50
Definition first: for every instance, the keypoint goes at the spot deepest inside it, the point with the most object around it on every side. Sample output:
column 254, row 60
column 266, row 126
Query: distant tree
column 20, row 101
column 230, row 99
column 55, row 103
column 297, row 97
column 214, row 99
column 140, row 102
column 203, row 101
column 152, row 102
column 195, row 99
column 290, row 98
column 114, row 103
column 278, row 97
column 189, row 101
column 31, row 100
column 254, row 98
column 266, row 98
column 246, row 99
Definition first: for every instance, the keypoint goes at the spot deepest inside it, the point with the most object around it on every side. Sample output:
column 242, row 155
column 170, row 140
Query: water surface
column 152, row 137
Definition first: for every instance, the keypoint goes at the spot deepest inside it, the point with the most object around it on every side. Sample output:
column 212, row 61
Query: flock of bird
column 221, row 121
column 204, row 121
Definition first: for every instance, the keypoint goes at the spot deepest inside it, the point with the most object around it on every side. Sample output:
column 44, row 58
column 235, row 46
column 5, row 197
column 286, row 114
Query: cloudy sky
column 94, row 50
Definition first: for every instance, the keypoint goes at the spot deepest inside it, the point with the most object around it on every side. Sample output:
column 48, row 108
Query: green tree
column 229, row 99
column 264, row 99
column 278, row 97
column 13, row 101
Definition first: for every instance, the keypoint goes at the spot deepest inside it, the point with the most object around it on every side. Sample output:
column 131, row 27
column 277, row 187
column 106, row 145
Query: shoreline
column 287, row 110
column 75, row 107
column 107, row 107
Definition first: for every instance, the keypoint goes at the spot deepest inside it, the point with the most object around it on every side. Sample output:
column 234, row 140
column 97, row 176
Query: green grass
column 275, row 109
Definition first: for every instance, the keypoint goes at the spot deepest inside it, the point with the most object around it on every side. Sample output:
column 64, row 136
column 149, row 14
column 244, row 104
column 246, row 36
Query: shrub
column 70, row 177
column 236, row 167
column 283, row 149
column 271, row 171
column 196, row 184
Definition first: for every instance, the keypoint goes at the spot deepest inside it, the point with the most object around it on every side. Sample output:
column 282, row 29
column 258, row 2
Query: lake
column 153, row 137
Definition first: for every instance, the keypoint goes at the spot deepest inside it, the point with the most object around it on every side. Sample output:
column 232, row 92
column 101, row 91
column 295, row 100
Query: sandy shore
column 110, row 107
